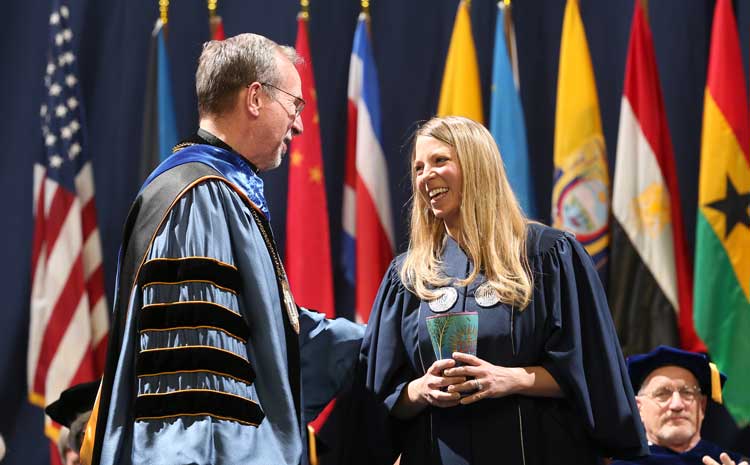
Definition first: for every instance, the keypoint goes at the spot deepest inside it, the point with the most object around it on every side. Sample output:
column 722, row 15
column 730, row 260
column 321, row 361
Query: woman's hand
column 428, row 390
column 497, row 381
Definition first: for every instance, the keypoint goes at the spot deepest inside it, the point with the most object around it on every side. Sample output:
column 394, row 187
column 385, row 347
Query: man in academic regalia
column 673, row 387
column 209, row 358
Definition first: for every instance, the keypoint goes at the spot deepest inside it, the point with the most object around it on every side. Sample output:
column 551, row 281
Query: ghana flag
column 722, row 250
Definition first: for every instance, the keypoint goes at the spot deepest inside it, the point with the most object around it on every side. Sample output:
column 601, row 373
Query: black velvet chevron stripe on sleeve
column 198, row 402
column 192, row 314
column 194, row 358
column 174, row 270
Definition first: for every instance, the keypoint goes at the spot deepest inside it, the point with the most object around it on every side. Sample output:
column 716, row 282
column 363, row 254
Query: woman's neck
column 453, row 230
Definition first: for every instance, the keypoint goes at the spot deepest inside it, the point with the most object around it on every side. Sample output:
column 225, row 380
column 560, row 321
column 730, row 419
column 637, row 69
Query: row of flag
column 636, row 238
column 635, row 235
column 654, row 296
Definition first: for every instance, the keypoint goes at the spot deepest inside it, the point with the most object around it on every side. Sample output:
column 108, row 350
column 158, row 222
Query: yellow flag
column 461, row 92
column 580, row 195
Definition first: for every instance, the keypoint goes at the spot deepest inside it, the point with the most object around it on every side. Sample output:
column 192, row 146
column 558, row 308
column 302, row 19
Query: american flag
column 69, row 322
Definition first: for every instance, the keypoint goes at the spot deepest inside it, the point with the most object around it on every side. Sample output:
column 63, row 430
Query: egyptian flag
column 722, row 241
column 648, row 251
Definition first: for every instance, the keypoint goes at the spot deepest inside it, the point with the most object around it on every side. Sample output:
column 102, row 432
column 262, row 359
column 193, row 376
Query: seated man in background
column 673, row 387
column 72, row 411
column 67, row 455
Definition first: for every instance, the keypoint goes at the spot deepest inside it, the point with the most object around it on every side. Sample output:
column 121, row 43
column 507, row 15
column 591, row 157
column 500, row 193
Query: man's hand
column 725, row 460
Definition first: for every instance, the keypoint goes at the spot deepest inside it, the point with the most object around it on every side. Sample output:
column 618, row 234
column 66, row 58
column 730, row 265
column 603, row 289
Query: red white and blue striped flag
column 368, row 225
column 68, row 322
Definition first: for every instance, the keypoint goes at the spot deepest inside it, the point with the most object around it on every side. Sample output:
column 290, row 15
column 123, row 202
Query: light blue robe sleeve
column 329, row 350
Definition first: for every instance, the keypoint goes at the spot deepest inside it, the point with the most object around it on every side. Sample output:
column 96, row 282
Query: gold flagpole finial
column 468, row 4
column 212, row 8
column 163, row 9
column 506, row 2
column 365, row 4
column 304, row 9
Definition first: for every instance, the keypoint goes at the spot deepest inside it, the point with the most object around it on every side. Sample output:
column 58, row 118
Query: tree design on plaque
column 464, row 339
column 453, row 332
column 437, row 327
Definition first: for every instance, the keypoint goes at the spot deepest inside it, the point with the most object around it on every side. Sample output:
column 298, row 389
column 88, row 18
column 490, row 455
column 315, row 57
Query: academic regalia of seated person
column 566, row 328
column 710, row 381
column 663, row 456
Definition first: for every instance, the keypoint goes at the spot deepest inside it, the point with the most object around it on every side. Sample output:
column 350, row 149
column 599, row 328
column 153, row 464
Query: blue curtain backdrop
column 410, row 40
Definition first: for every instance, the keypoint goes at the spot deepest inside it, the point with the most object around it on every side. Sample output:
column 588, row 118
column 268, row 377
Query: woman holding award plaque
column 490, row 341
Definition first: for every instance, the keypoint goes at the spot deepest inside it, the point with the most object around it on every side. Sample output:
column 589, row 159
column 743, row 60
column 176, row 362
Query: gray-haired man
column 209, row 352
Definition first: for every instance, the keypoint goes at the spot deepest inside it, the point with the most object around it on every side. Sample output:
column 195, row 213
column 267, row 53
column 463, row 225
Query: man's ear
column 704, row 403
column 638, row 402
column 253, row 102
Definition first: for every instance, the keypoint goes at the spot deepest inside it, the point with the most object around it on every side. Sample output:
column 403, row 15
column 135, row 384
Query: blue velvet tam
column 708, row 375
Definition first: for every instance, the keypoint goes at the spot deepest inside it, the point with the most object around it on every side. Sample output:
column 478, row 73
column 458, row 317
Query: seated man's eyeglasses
column 299, row 102
column 664, row 394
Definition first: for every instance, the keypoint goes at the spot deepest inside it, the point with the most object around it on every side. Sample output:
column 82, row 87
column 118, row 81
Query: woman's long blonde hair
column 492, row 226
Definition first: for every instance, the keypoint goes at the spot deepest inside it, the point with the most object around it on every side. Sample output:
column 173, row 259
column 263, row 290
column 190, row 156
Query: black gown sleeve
column 582, row 351
column 384, row 371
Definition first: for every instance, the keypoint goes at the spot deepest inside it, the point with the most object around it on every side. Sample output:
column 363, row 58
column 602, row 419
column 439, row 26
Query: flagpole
column 215, row 25
column 510, row 39
column 505, row 6
column 644, row 5
column 213, row 19
column 365, row 5
column 163, row 14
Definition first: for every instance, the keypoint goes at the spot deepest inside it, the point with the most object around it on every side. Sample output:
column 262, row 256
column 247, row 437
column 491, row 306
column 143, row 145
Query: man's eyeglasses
column 664, row 394
column 299, row 102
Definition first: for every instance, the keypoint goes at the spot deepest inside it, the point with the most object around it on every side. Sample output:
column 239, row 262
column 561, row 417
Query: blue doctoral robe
column 663, row 456
column 200, row 369
column 566, row 328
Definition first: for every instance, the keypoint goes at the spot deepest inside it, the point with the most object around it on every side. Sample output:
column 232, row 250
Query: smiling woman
column 547, row 383
column 439, row 180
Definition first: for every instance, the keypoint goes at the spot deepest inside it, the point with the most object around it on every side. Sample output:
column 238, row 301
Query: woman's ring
column 478, row 385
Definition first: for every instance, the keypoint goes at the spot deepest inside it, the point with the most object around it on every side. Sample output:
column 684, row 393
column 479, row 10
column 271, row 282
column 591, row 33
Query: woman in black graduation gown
column 548, row 384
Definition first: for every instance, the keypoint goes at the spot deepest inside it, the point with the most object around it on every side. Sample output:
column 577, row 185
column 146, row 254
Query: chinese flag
column 308, row 245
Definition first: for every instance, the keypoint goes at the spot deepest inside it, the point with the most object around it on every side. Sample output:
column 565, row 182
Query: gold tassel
column 715, row 383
